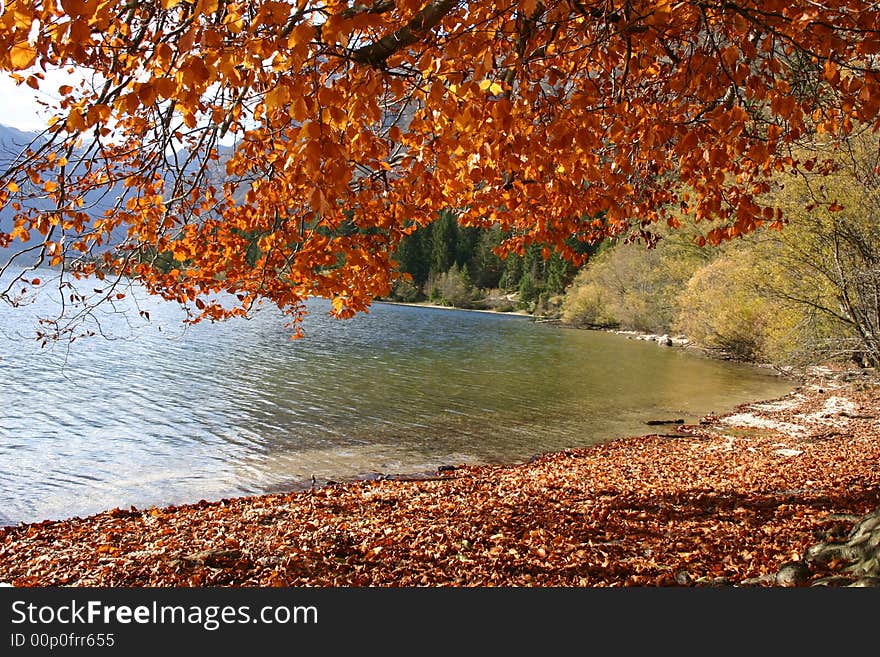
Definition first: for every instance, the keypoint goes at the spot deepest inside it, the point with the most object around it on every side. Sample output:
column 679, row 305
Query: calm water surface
column 157, row 415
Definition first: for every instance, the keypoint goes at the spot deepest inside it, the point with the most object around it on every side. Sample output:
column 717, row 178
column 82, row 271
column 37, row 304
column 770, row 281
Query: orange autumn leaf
column 287, row 156
column 278, row 97
column 21, row 55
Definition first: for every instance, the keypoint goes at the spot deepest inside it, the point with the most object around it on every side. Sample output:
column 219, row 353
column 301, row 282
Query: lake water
column 157, row 415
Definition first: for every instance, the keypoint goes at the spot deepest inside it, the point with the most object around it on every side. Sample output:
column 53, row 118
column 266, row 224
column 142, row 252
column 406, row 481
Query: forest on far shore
column 805, row 294
column 456, row 265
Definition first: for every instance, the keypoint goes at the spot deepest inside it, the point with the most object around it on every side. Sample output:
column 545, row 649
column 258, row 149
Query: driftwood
column 654, row 423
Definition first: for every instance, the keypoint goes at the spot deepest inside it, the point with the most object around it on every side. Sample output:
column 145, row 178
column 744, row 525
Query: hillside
column 14, row 141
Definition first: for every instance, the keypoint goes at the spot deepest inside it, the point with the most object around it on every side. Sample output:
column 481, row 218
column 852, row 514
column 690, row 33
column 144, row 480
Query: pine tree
column 443, row 240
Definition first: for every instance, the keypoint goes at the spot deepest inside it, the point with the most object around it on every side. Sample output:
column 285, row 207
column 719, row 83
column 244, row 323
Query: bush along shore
column 778, row 493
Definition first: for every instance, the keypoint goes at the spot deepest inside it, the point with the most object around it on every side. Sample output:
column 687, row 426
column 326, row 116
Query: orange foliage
column 353, row 122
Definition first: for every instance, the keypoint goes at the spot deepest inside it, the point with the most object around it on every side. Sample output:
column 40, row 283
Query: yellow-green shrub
column 632, row 287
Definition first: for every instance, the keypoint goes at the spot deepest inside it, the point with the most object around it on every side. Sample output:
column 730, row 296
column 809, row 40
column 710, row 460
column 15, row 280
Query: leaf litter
column 703, row 508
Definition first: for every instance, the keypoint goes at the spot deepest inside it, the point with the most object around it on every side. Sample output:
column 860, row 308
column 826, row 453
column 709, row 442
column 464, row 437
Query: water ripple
column 237, row 408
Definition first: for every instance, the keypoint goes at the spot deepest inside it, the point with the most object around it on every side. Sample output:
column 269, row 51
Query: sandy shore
column 725, row 501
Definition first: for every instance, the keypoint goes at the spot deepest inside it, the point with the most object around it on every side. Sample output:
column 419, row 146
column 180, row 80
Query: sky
column 18, row 106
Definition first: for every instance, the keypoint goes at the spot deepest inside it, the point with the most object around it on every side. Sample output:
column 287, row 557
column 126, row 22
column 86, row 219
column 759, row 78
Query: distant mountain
column 13, row 141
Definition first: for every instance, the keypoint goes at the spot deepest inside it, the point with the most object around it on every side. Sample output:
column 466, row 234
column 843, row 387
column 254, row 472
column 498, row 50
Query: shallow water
column 160, row 416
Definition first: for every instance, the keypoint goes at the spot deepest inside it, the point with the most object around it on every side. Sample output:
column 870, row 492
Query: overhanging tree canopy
column 353, row 123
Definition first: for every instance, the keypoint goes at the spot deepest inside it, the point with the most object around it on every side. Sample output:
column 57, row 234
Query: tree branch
column 377, row 52
column 378, row 7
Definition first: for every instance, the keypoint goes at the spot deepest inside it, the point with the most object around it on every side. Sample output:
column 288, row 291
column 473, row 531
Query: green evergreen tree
column 443, row 241
column 466, row 241
column 437, row 255
column 534, row 263
column 411, row 254
column 486, row 267
column 528, row 291
column 513, row 270
column 559, row 274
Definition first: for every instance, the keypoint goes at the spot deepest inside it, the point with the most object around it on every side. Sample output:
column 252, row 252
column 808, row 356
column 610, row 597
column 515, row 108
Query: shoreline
column 726, row 501
column 426, row 304
column 300, row 484
column 664, row 340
